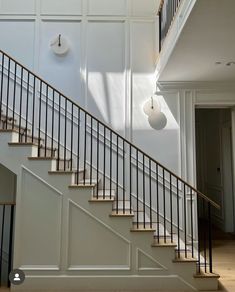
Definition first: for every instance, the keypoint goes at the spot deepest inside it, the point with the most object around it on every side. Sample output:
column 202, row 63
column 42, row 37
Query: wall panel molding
column 81, row 243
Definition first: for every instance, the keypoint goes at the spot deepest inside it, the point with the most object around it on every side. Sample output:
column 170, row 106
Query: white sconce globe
column 59, row 45
column 152, row 106
column 157, row 121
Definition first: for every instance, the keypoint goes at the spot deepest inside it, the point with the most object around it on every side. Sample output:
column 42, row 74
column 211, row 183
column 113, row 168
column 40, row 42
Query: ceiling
column 208, row 37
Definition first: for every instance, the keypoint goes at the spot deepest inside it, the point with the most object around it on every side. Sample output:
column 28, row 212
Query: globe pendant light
column 156, row 118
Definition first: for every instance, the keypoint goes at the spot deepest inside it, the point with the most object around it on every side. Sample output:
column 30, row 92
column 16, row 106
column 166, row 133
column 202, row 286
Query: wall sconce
column 156, row 118
column 59, row 45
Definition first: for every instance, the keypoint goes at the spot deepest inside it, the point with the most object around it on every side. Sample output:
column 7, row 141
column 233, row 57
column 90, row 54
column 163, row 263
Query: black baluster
column 2, row 242
column 52, row 123
column 111, row 162
column 137, row 186
column 130, row 177
column 204, row 236
column 78, row 147
column 91, row 153
column 104, row 168
column 158, row 217
column 97, row 158
column 150, row 192
column 123, row 177
column 33, row 110
column 71, row 146
column 199, row 236
column 14, row 96
column 21, row 96
column 178, row 216
column 39, row 118
column 27, row 108
column 10, row 241
column 59, row 124
column 85, row 142
column 191, row 219
column 164, row 203
column 8, row 86
column 144, row 202
column 65, row 134
column 45, row 142
column 171, row 211
column 209, row 237
column 2, row 77
column 117, row 169
column 185, row 223
column 160, row 31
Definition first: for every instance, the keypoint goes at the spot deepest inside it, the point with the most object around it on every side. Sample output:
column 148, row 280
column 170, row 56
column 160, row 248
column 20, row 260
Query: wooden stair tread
column 8, row 130
column 121, row 214
column 204, row 275
column 22, row 144
column 41, row 158
column 184, row 260
column 143, row 230
column 163, row 243
column 60, row 172
column 76, row 186
column 100, row 200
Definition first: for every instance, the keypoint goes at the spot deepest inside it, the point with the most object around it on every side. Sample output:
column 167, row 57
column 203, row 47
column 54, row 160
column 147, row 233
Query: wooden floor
column 224, row 263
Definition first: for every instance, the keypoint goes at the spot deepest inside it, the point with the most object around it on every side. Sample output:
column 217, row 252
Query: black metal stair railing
column 166, row 14
column 97, row 155
column 7, row 211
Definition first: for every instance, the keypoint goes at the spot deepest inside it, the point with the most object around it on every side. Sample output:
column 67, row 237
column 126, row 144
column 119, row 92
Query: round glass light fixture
column 152, row 106
column 59, row 45
column 157, row 121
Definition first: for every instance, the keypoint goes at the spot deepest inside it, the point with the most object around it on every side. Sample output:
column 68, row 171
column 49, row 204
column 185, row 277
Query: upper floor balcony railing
column 166, row 13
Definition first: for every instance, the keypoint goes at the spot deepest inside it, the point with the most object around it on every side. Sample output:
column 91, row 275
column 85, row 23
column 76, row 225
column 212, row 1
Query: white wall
column 190, row 96
column 111, row 62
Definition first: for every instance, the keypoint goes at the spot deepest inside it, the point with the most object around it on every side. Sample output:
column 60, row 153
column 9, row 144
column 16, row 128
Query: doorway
column 7, row 210
column 214, row 163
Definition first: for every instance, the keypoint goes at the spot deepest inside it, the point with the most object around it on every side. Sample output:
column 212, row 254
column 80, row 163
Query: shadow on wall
column 8, row 185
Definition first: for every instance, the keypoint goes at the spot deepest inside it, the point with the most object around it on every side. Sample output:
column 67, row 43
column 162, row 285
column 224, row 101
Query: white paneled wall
column 107, row 7
column 106, row 71
column 61, row 72
column 17, row 37
column 55, row 7
column 110, row 66
column 22, row 7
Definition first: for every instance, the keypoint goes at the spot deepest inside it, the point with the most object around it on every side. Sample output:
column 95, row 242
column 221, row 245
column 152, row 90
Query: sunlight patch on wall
column 106, row 97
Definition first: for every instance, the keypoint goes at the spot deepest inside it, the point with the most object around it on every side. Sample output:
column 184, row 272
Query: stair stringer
column 170, row 276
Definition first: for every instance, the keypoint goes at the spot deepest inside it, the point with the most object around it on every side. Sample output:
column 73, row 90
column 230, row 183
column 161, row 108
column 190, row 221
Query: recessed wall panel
column 17, row 39
column 107, row 7
column 144, row 7
column 17, row 7
column 92, row 243
column 40, row 207
column 160, row 143
column 62, row 71
column 58, row 7
column 106, row 72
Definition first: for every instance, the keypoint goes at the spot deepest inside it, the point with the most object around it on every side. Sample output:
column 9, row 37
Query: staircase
column 123, row 221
